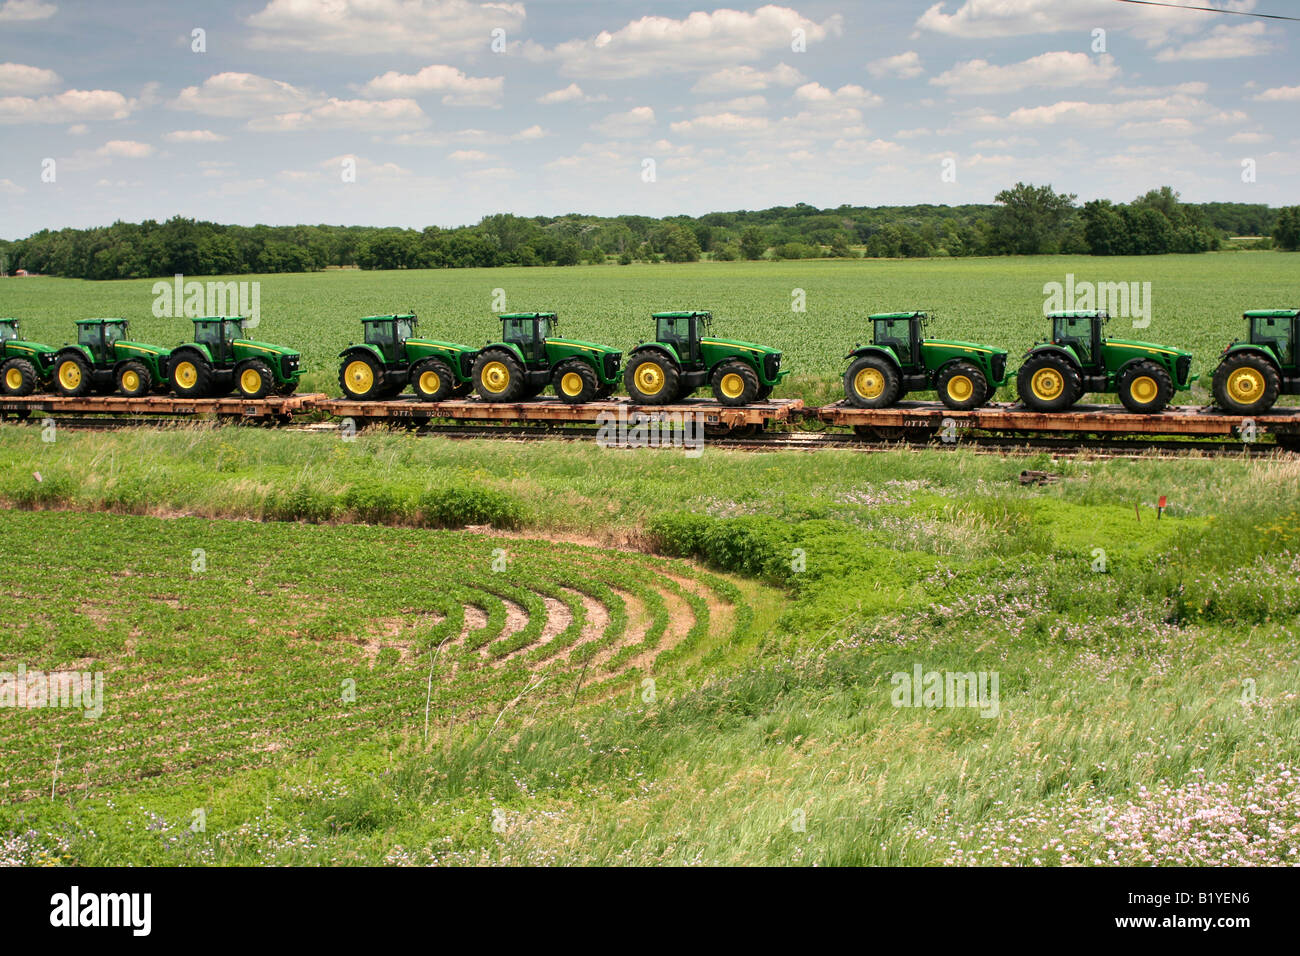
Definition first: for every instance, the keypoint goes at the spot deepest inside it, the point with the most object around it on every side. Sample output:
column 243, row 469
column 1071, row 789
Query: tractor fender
column 882, row 350
column 194, row 350
column 352, row 351
column 78, row 350
column 1253, row 349
column 1049, row 348
column 660, row 347
column 510, row 347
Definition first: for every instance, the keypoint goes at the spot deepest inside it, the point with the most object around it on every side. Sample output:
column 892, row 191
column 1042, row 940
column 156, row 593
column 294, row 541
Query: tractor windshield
column 8, row 330
column 675, row 331
column 1276, row 333
column 113, row 332
column 233, row 329
column 380, row 334
column 405, row 329
column 896, row 334
column 1077, row 332
column 89, row 335
column 528, row 334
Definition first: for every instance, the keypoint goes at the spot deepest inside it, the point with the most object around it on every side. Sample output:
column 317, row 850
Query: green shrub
column 456, row 506
column 301, row 503
column 375, row 501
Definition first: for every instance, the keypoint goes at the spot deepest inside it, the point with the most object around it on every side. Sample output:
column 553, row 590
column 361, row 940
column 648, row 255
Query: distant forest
column 1024, row 220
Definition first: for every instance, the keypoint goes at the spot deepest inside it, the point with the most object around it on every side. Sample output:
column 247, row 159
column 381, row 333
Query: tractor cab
column 218, row 333
column 1080, row 331
column 529, row 331
column 900, row 331
column 682, row 330
column 1277, row 331
column 8, row 329
column 389, row 333
column 99, row 336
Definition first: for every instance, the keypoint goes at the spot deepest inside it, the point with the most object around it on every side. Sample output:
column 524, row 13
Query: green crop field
column 1196, row 302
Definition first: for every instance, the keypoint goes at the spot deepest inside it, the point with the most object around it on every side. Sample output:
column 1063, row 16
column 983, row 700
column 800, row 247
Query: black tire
column 575, row 382
column 604, row 392
column 432, row 380
column 133, row 379
column 1145, row 388
column 1059, row 384
column 461, row 389
column 1246, row 383
column 872, row 381
column 18, row 377
column 764, row 393
column 733, row 394
column 505, row 376
column 652, row 378
column 71, row 374
column 190, row 376
column 362, row 377
column 961, row 386
column 285, row 389
column 254, row 379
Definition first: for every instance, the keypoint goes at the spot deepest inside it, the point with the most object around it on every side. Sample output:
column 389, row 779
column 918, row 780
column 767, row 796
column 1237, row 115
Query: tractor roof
column 220, row 318
column 526, row 315
column 99, row 321
column 1272, row 314
column 682, row 315
column 9, row 321
column 388, row 318
column 1079, row 314
column 898, row 315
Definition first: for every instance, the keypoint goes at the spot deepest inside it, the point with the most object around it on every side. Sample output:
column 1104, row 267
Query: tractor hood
column 740, row 346
column 968, row 346
column 139, row 348
column 587, row 346
column 27, row 348
column 434, row 343
column 1146, row 347
column 264, row 347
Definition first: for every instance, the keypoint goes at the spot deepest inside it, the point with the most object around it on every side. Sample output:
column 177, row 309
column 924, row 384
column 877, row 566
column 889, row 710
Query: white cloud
column 398, row 114
column 636, row 121
column 849, row 94
column 1223, row 43
column 740, row 104
column 1279, row 94
column 470, row 156
column 571, row 93
column 66, row 107
column 1250, row 138
column 532, row 132
column 78, row 129
column 747, row 79
column 1168, row 127
column 1055, row 69
column 459, row 89
column 242, row 95
column 983, row 19
column 17, row 78
column 364, row 27
column 1097, row 114
column 194, row 136
column 655, row 45
column 721, row 123
column 11, row 188
column 904, row 66
column 125, row 148
column 14, row 11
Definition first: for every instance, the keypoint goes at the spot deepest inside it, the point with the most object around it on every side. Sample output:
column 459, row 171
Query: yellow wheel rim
column 360, row 377
column 960, row 388
column 1246, row 385
column 186, row 374
column 732, row 385
column 130, row 381
column 571, row 383
column 429, row 382
column 1144, row 389
column 14, row 379
column 869, row 383
column 495, row 377
column 650, row 379
column 1047, row 384
column 250, row 380
column 69, row 375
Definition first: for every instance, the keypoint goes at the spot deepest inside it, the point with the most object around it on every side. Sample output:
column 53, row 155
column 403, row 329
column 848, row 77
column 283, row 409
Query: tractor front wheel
column 652, row 378
column 575, row 382
column 18, row 377
column 1145, row 388
column 134, row 380
column 735, row 383
column 254, row 379
column 498, row 376
column 872, row 382
column 962, row 386
column 432, row 380
column 1246, row 383
column 361, row 377
column 72, row 374
column 1048, row 382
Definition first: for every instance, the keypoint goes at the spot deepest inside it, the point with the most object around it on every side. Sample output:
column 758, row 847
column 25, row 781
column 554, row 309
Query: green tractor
column 1079, row 359
column 900, row 360
column 24, row 366
column 528, row 358
column 1252, row 374
column 683, row 358
column 220, row 359
column 104, row 360
column 390, row 358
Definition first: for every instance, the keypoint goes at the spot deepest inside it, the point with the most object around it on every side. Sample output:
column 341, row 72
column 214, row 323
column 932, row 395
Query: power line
column 1236, row 13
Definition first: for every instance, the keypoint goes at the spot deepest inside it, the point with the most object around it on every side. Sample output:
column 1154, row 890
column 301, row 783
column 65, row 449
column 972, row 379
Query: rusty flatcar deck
column 273, row 407
column 553, row 410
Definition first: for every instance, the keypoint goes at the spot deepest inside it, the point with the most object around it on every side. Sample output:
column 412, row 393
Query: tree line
column 1024, row 220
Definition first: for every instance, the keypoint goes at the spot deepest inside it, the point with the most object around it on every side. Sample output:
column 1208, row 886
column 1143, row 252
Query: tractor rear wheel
column 872, row 382
column 962, row 386
column 72, row 374
column 133, row 379
column 1145, row 388
column 254, row 379
column 1246, row 383
column 575, row 381
column 1048, row 382
column 735, row 383
column 652, row 378
column 191, row 377
column 18, row 377
column 432, row 380
column 498, row 376
column 361, row 377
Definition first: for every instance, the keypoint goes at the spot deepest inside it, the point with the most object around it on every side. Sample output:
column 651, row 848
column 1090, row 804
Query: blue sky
column 448, row 110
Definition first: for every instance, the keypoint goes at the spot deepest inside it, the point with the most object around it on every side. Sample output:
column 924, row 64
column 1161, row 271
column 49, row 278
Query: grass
column 1146, row 711
column 1197, row 304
